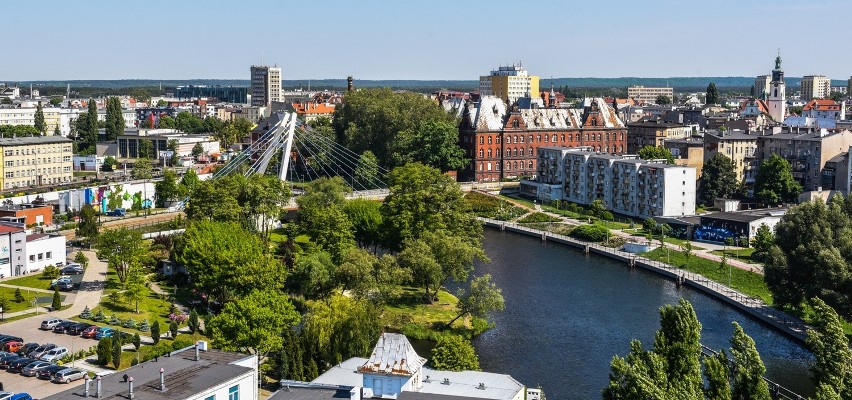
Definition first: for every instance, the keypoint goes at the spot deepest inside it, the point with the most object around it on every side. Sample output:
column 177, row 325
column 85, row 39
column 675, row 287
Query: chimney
column 86, row 385
column 349, row 83
column 162, row 380
column 197, row 355
column 130, row 387
column 98, row 387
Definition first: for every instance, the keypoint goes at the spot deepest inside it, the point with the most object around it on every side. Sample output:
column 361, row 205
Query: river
column 567, row 314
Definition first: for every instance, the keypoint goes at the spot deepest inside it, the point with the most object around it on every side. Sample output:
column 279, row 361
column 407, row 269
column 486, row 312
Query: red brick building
column 502, row 143
column 29, row 214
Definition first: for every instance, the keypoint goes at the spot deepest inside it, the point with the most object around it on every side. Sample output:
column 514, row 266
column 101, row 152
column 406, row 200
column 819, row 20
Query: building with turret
column 776, row 101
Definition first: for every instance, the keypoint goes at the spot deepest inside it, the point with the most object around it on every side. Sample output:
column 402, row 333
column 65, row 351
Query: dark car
column 49, row 372
column 72, row 269
column 18, row 366
column 62, row 327
column 65, row 285
column 38, row 351
column 9, row 338
column 77, row 328
column 5, row 362
column 28, row 347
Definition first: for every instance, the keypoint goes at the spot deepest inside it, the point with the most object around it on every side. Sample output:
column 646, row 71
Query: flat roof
column 746, row 216
column 26, row 141
column 184, row 377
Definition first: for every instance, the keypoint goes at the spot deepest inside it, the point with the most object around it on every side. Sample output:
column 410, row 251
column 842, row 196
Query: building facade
column 815, row 87
column 13, row 249
column 644, row 94
column 44, row 249
column 641, row 134
column 502, row 142
column 509, row 83
column 739, row 146
column 625, row 184
column 230, row 94
column 265, row 85
column 761, row 86
column 808, row 151
column 35, row 161
column 776, row 101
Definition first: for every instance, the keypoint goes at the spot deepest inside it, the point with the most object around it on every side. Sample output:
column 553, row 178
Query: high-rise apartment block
column 815, row 87
column 761, row 86
column 649, row 94
column 265, row 85
column 35, row 161
column 509, row 83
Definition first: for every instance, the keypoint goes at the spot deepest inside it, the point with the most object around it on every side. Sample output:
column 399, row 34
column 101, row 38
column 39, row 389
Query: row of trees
column 773, row 184
column 674, row 368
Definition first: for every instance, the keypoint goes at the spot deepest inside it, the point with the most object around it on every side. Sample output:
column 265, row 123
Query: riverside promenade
column 783, row 322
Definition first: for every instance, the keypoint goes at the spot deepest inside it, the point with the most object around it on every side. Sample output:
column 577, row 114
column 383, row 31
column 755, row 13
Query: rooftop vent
column 481, row 386
column 446, row 381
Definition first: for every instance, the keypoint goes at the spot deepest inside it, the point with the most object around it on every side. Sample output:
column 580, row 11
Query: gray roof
column 730, row 135
column 743, row 216
column 26, row 141
column 393, row 354
column 184, row 377
column 311, row 393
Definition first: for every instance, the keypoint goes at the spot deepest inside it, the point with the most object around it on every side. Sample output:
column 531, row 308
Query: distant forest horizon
column 574, row 86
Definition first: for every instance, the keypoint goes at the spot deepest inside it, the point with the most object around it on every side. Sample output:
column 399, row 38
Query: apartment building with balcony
column 35, row 161
column 807, row 151
column 625, row 184
column 653, row 133
column 739, row 146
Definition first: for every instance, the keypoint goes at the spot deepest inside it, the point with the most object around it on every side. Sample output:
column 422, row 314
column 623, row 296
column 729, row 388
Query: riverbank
column 789, row 325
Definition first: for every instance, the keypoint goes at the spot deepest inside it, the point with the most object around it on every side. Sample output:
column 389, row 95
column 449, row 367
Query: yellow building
column 35, row 161
column 509, row 83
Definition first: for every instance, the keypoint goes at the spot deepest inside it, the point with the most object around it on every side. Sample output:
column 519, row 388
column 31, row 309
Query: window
column 234, row 393
column 515, row 139
column 481, row 153
column 489, row 140
column 546, row 138
column 213, row 397
column 531, row 138
column 516, row 152
column 32, row 257
column 489, row 153
column 522, row 151
column 489, row 166
column 562, row 137
column 481, row 140
column 508, row 166
column 554, row 138
column 508, row 153
column 48, row 255
column 40, row 256
column 531, row 165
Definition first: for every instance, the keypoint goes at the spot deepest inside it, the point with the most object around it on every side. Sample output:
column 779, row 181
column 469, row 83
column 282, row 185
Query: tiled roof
column 822, row 105
column 393, row 354
column 10, row 229
column 313, row 108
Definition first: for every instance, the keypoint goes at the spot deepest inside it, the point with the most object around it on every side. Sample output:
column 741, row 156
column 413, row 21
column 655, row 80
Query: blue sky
column 437, row 39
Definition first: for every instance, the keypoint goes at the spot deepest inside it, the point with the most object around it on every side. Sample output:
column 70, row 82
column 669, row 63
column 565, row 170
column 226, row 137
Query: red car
column 13, row 347
column 89, row 332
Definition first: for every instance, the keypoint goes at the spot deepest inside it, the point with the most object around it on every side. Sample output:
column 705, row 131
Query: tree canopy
column 255, row 322
column 454, row 353
column 832, row 371
column 712, row 94
column 774, row 182
column 718, row 179
column 398, row 128
column 123, row 250
column 656, row 153
column 114, row 119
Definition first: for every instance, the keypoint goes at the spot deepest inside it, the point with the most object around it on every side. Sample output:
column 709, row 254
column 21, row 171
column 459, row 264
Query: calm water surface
column 567, row 314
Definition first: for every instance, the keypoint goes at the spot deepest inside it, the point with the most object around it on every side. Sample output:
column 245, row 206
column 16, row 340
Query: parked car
column 6, row 395
column 65, row 285
column 90, row 332
column 54, row 354
column 13, row 346
column 77, row 328
column 104, row 332
column 69, row 374
column 28, row 347
column 118, row 212
column 19, row 365
column 57, row 280
column 49, row 372
column 5, row 361
column 9, row 338
column 72, row 269
column 40, row 350
column 32, row 369
column 63, row 326
column 21, row 396
column 49, row 324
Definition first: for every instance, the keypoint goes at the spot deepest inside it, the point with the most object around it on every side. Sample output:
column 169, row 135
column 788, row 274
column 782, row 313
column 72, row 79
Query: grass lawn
column 13, row 306
column 36, row 281
column 410, row 315
column 670, row 240
column 747, row 282
column 740, row 254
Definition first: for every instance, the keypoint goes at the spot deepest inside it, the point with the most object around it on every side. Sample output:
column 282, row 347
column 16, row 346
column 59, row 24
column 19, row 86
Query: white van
column 49, row 324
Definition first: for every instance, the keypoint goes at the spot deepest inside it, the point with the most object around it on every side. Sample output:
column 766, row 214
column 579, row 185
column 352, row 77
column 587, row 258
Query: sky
column 423, row 40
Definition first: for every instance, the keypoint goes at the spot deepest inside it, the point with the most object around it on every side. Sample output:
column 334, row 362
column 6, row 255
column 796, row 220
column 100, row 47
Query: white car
column 61, row 277
column 54, row 354
column 6, row 395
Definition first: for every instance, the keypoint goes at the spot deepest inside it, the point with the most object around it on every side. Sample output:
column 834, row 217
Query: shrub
column 192, row 322
column 182, row 342
column 116, row 353
column 105, row 351
column 144, row 326
column 81, row 259
column 155, row 331
column 137, row 341
column 130, row 323
column 86, row 314
column 454, row 353
column 607, row 216
column 57, row 301
column 538, row 217
column 592, row 233
column 19, row 297
column 50, row 272
column 114, row 320
column 99, row 316
column 173, row 329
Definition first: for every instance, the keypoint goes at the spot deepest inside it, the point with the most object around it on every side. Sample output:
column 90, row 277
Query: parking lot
column 29, row 330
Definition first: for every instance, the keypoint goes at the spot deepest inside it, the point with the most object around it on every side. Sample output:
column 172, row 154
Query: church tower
column 776, row 100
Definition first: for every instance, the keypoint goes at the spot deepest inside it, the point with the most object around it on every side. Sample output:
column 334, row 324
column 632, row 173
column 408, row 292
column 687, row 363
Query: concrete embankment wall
column 787, row 324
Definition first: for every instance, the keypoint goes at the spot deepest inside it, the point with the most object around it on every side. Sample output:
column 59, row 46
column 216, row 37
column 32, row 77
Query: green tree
column 416, row 256
column 55, row 101
column 340, row 328
column 146, row 149
column 115, row 198
column 597, row 208
column 422, row 199
column 663, row 100
column 321, row 216
column 19, row 297
column 173, row 148
column 123, row 250
column 225, row 260
column 213, row 201
column 718, row 179
column 483, row 297
column 162, row 103
column 88, row 226
column 142, row 170
column 397, row 128
column 116, row 352
column 712, row 94
column 173, row 329
column 141, row 95
column 833, row 357
column 656, row 153
column 197, row 150
column 155, row 331
column 193, row 322
column 135, row 289
column 774, row 182
column 167, row 190
column 314, row 275
column 454, row 254
column 367, row 171
column 762, row 242
column 81, row 259
column 717, row 372
column 90, row 134
column 137, row 341
column 747, row 382
column 355, row 273
column 39, row 119
column 454, row 353
column 114, row 119
column 366, row 219
column 104, row 351
column 837, row 96
column 188, row 123
column 254, row 322
column 188, row 182
column 109, row 164
column 57, row 301
column 166, row 122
